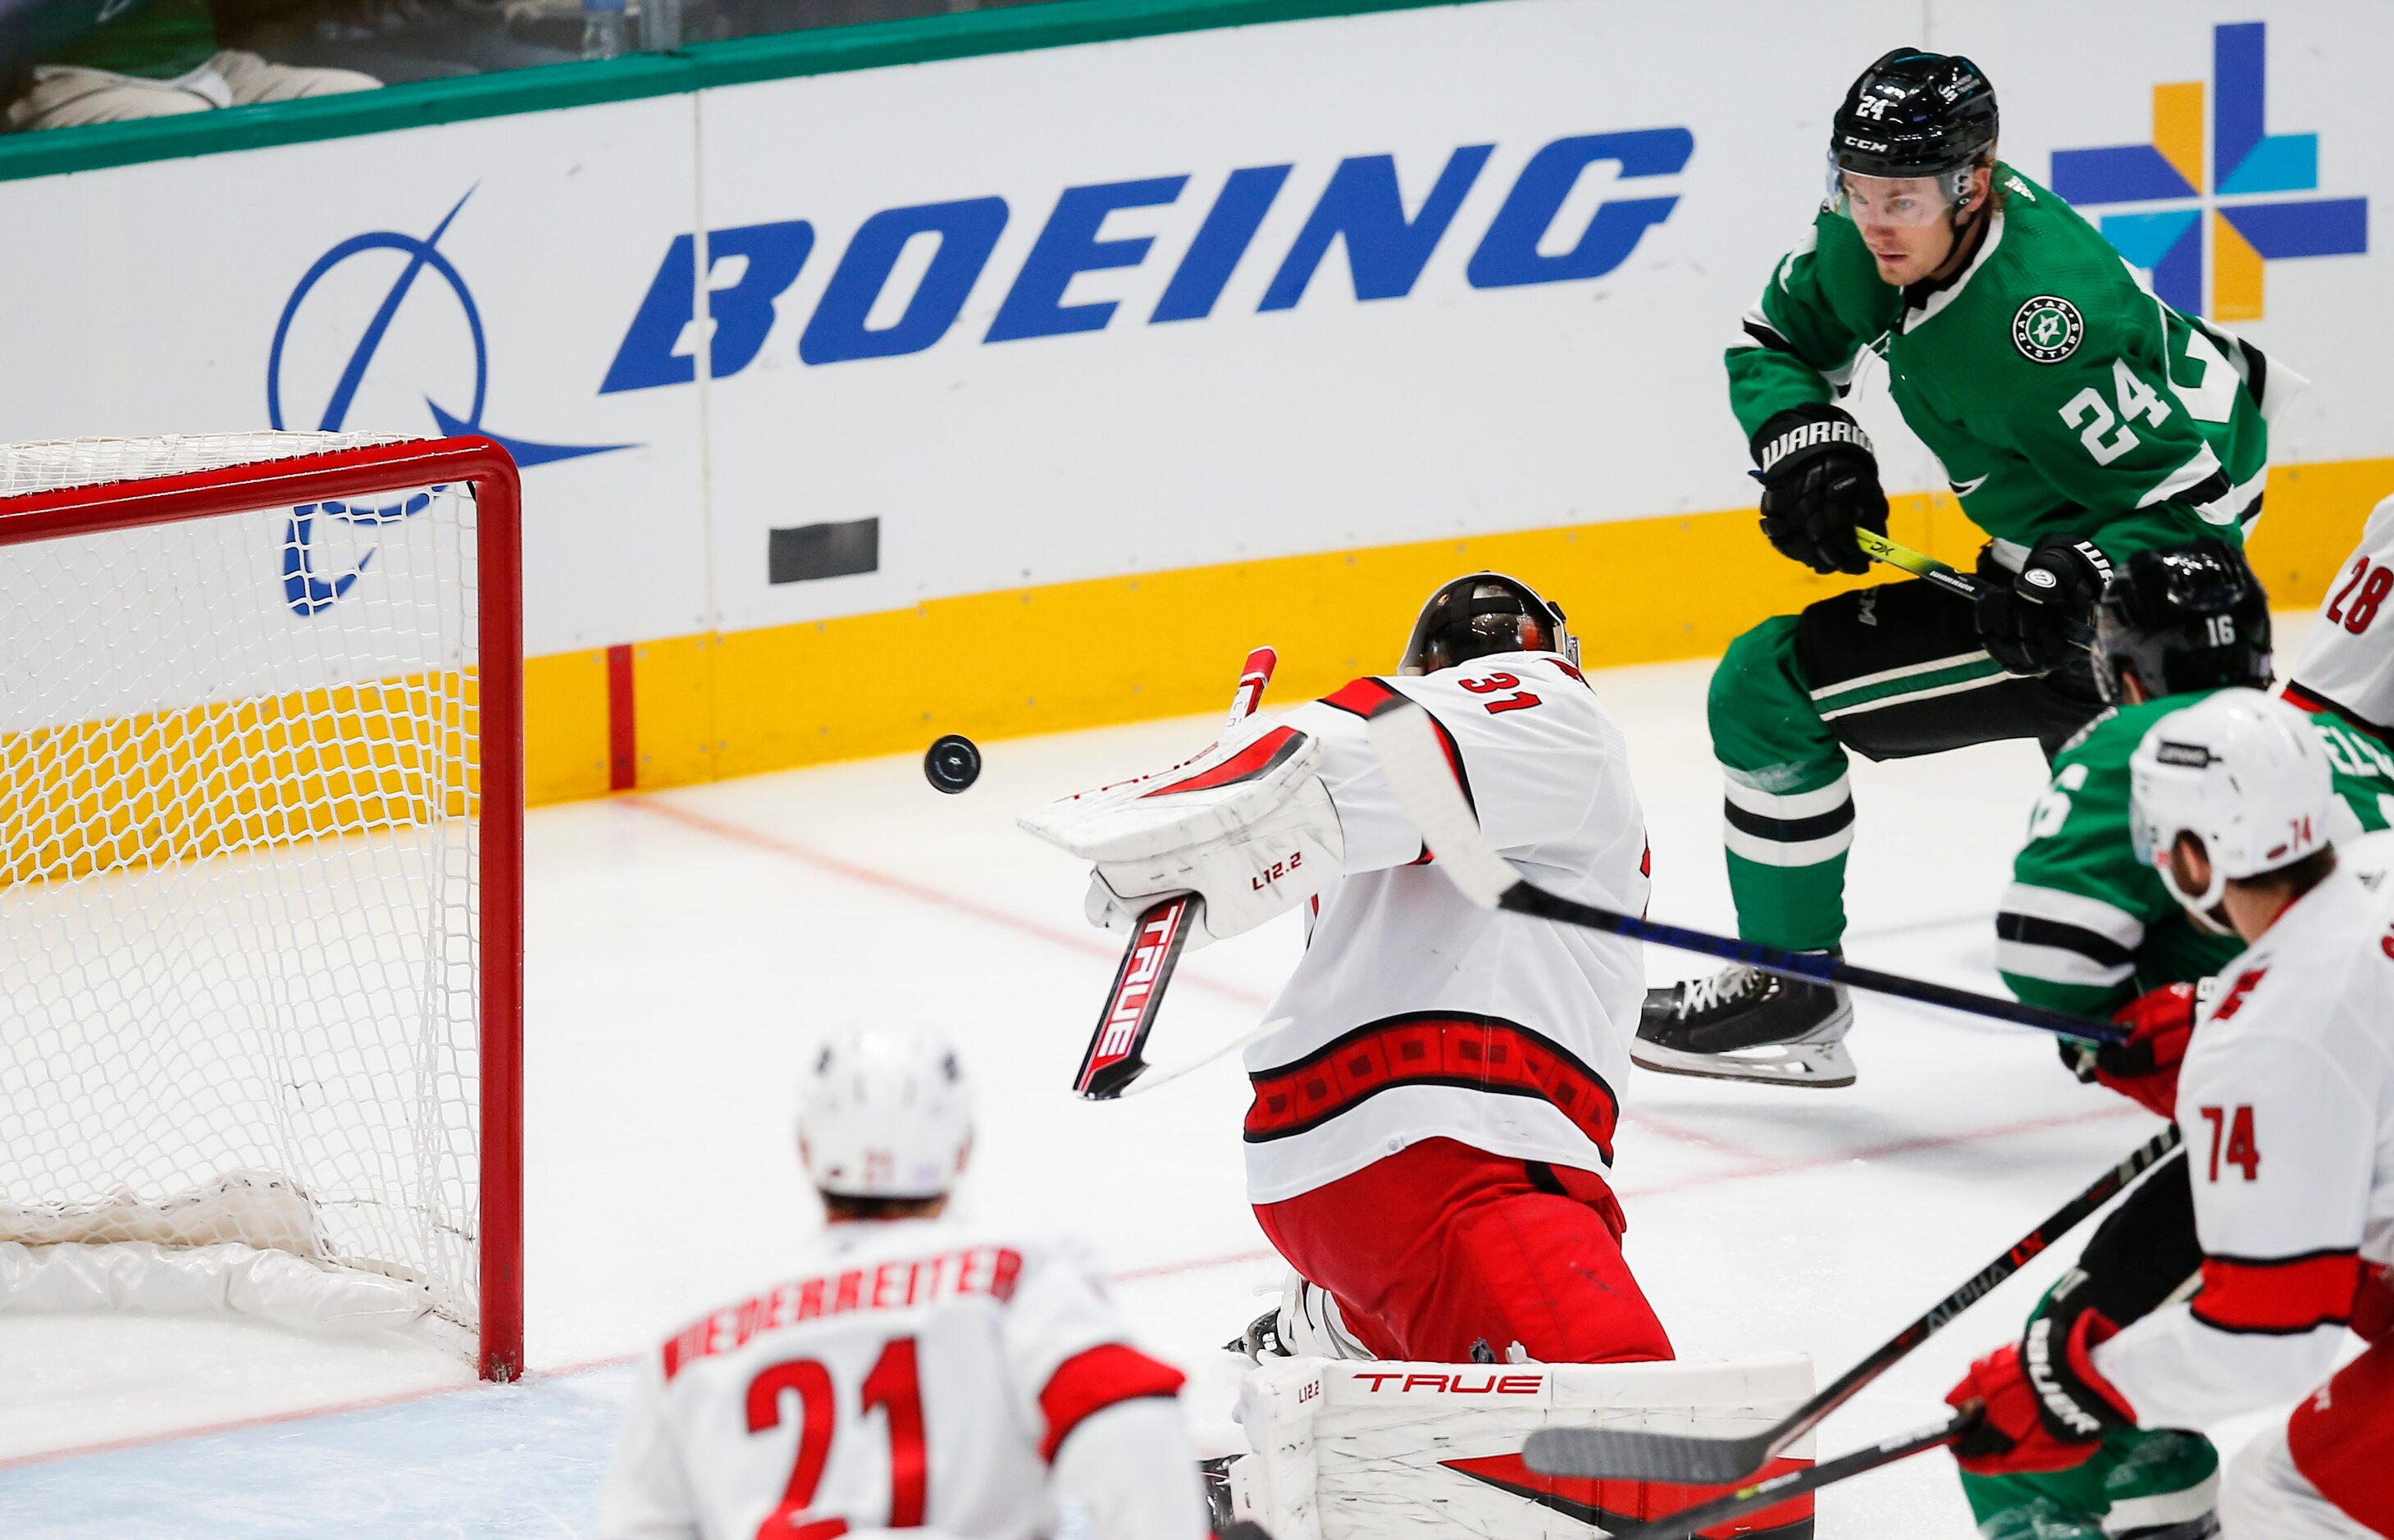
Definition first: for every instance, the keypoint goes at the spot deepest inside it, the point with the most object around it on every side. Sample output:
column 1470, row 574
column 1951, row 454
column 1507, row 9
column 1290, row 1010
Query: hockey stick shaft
column 1627, row 1452
column 1919, row 565
column 1116, row 1052
column 1688, row 1522
column 1526, row 898
column 2060, row 1222
column 1414, row 762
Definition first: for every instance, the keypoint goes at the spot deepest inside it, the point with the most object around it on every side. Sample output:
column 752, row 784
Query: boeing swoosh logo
column 305, row 590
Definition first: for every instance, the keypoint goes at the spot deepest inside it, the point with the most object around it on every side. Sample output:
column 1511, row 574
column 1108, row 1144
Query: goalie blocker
column 1368, row 1449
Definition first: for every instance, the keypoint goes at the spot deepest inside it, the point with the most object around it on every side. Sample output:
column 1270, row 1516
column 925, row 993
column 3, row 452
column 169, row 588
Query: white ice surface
column 686, row 946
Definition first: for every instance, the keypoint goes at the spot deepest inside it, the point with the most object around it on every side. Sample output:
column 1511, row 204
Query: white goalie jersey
column 917, row 1375
column 1415, row 1015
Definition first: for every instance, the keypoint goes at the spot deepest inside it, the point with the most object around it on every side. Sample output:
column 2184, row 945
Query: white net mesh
column 239, row 872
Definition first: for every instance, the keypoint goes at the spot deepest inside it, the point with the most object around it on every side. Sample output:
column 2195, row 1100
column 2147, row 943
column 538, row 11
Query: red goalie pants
column 1440, row 1247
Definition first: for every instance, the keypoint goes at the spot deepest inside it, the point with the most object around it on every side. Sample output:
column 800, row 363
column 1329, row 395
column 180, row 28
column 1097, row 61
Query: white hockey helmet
column 2242, row 772
column 884, row 1111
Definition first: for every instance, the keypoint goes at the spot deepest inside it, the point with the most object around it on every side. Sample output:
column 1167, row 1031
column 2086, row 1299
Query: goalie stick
column 1415, row 764
column 1117, row 1049
column 1688, row 1524
column 1685, row 1458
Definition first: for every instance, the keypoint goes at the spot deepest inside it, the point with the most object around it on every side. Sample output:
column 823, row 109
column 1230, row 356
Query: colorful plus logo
column 2241, row 205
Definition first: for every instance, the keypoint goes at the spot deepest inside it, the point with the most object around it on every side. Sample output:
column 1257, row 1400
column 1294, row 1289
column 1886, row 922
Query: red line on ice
column 1089, row 943
column 1779, row 1166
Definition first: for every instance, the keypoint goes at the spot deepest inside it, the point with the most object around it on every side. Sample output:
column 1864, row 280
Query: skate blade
column 1826, row 1070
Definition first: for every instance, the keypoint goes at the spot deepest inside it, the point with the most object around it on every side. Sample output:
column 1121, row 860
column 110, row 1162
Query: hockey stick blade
column 1629, row 1452
column 1689, row 1522
column 1220, row 1050
column 1413, row 760
column 1117, row 1049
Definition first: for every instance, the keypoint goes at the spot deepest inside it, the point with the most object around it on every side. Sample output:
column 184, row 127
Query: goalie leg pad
column 1349, row 1450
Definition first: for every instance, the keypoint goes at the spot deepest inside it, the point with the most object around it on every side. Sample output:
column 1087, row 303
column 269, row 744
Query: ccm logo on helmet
column 1492, row 1384
column 2193, row 756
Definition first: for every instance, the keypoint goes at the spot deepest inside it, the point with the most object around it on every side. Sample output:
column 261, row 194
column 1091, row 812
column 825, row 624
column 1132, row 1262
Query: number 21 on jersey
column 894, row 1387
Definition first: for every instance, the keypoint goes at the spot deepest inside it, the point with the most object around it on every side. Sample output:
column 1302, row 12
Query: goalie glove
column 1246, row 825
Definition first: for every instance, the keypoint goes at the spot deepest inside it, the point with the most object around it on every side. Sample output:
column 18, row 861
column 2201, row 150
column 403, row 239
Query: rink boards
column 1024, row 380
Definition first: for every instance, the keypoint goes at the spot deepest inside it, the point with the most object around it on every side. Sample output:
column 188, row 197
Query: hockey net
column 260, row 856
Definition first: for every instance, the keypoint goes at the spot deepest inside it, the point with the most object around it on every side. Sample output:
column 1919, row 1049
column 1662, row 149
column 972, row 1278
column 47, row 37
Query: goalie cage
column 261, row 857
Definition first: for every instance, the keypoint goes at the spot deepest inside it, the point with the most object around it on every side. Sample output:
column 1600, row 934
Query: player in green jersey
column 2088, row 926
column 2079, row 419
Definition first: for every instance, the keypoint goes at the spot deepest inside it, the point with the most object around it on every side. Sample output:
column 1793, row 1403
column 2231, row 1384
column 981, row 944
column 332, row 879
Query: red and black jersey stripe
column 1368, row 698
column 2311, row 700
column 1087, row 1383
column 1477, row 1053
column 1365, row 697
column 2278, row 1295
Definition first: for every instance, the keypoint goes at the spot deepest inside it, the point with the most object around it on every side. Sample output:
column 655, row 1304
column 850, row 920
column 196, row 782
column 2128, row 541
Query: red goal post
column 443, row 736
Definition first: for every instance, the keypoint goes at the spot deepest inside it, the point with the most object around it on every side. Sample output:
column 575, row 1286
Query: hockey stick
column 1688, row 1522
column 1116, row 1049
column 1149, row 1082
column 1415, row 764
column 1917, row 564
column 1683, row 1457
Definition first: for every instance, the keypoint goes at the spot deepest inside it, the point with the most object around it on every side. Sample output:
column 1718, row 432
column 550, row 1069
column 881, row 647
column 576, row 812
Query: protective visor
column 1906, row 201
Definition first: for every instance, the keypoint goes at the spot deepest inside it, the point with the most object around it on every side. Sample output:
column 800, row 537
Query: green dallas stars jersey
column 2084, row 926
column 2061, row 396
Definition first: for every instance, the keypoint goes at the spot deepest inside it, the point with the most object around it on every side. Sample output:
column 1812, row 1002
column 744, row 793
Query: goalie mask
column 1481, row 615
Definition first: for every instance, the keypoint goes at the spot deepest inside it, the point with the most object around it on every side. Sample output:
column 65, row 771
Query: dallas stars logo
column 2047, row 328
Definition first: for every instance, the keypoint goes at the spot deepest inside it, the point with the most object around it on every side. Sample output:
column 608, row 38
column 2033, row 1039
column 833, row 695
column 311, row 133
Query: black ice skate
column 1745, row 1024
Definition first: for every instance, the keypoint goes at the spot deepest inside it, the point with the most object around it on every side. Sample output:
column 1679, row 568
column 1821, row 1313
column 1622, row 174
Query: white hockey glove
column 1246, row 825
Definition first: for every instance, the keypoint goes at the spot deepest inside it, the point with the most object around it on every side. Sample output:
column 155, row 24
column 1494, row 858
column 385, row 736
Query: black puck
column 952, row 764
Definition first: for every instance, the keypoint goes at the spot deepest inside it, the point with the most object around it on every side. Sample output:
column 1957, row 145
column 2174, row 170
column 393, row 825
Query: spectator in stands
column 157, row 59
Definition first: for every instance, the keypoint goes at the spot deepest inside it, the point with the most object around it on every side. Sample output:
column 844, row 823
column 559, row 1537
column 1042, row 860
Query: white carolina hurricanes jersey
column 914, row 1374
column 2287, row 1099
column 2348, row 662
column 1416, row 1015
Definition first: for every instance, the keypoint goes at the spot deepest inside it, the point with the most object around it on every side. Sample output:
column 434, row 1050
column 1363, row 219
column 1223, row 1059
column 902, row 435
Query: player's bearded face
column 1905, row 221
